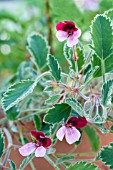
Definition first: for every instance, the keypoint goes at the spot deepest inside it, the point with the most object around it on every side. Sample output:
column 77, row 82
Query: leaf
column 26, row 71
column 106, row 155
column 80, row 60
column 37, row 122
column 109, row 13
column 51, row 151
column 90, row 74
column 107, row 87
column 64, row 159
column 54, row 68
column 38, row 48
column 76, row 106
column 26, row 161
column 58, row 113
column 17, row 92
column 101, row 32
column 83, row 166
column 12, row 165
column 108, row 65
column 93, row 137
column 102, row 128
column 13, row 113
column 68, row 56
column 1, row 143
column 53, row 99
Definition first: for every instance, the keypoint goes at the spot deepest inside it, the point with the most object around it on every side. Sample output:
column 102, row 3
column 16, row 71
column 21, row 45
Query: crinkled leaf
column 101, row 34
column 93, row 137
column 54, row 68
column 53, row 99
column 108, row 65
column 106, row 154
column 58, row 113
column 106, row 90
column 83, row 166
column 1, row 142
column 38, row 48
column 68, row 56
column 75, row 106
column 26, row 161
column 17, row 92
column 13, row 113
column 26, row 71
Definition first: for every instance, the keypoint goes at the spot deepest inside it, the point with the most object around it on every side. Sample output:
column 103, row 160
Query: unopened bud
column 94, row 111
column 100, row 110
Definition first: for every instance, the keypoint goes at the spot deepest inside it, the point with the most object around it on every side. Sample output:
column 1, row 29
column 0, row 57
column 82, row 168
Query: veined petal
column 40, row 151
column 77, row 33
column 60, row 133
column 27, row 149
column 72, row 135
column 72, row 41
column 61, row 35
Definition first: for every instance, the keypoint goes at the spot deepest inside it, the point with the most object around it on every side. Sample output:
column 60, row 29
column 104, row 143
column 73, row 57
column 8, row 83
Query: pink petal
column 72, row 135
column 40, row 151
column 27, row 149
column 77, row 33
column 72, row 41
column 61, row 35
column 60, row 133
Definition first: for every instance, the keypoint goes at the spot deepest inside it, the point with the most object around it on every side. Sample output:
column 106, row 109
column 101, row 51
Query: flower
column 67, row 29
column 69, row 129
column 39, row 145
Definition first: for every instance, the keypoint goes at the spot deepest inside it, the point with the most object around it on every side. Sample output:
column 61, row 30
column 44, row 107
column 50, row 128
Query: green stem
column 32, row 165
column 10, row 142
column 38, row 111
column 3, row 120
column 79, row 154
column 76, row 66
column 103, row 70
column 21, row 136
column 51, row 162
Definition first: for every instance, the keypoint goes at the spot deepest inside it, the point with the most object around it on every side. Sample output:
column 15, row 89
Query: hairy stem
column 51, row 162
column 103, row 70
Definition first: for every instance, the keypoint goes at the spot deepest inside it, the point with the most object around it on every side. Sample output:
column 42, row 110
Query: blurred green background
column 18, row 18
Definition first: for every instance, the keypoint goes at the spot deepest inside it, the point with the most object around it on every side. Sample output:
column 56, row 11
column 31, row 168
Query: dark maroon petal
column 69, row 25
column 46, row 142
column 37, row 134
column 77, row 122
column 60, row 26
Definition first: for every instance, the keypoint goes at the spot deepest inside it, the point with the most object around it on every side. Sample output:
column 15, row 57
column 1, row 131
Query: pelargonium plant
column 62, row 105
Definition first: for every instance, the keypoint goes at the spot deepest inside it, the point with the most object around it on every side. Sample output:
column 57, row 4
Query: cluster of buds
column 94, row 109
